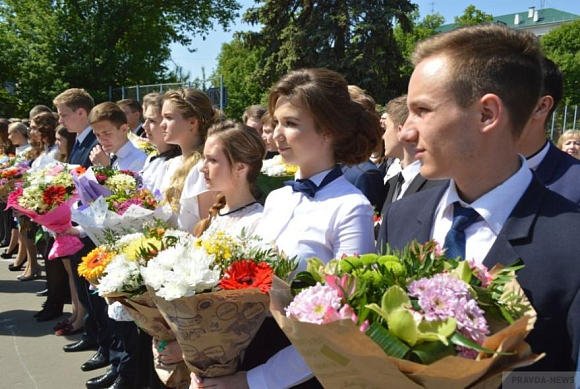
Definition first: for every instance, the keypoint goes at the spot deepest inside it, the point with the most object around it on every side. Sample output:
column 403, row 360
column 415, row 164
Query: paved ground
column 31, row 355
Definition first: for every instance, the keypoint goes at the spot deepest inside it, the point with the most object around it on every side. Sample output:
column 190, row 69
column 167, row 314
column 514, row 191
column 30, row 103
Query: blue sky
column 207, row 50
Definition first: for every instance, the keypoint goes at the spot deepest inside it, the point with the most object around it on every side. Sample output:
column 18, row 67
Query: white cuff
column 284, row 370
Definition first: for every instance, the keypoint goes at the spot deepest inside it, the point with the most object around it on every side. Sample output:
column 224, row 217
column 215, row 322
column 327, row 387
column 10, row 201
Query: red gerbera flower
column 54, row 195
column 246, row 274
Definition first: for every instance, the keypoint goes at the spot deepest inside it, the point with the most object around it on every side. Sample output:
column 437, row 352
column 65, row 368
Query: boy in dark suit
column 470, row 96
column 558, row 170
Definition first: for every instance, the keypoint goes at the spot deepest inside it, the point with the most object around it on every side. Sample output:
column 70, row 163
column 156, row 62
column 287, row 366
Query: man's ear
column 124, row 127
column 542, row 109
column 492, row 111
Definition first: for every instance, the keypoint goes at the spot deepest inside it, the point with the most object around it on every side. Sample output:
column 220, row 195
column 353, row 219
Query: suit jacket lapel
column 426, row 216
column 518, row 226
column 391, row 183
column 415, row 185
column 547, row 167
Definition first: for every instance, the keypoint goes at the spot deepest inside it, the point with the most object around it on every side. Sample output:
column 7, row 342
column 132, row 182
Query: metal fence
column 217, row 95
column 565, row 117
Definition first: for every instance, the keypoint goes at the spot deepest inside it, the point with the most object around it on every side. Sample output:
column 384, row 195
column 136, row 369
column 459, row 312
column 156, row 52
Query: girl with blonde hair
column 187, row 115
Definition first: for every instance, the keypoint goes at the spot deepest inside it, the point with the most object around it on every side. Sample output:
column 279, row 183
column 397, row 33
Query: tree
column 237, row 63
column 352, row 37
column 562, row 45
column 472, row 16
column 408, row 39
column 55, row 44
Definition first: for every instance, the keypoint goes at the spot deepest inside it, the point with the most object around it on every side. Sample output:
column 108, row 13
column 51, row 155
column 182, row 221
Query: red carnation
column 54, row 195
column 246, row 274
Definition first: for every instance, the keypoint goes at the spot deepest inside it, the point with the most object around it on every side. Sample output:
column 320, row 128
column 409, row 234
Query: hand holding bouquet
column 418, row 318
column 46, row 197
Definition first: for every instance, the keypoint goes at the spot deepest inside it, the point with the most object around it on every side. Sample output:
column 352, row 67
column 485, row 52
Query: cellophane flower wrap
column 212, row 291
column 114, row 268
column 12, row 171
column 114, row 200
column 143, row 144
column 274, row 173
column 46, row 196
column 412, row 318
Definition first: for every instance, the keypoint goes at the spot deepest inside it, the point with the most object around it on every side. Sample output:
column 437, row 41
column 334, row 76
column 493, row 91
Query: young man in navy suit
column 470, row 96
column 558, row 170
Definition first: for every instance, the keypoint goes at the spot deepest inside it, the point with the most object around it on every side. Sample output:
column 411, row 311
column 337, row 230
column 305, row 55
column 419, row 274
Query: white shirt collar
column 410, row 171
column 21, row 149
column 81, row 137
column 125, row 150
column 536, row 159
column 496, row 205
column 317, row 178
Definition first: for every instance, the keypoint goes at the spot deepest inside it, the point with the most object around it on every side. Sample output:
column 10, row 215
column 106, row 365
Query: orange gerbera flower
column 248, row 274
column 94, row 264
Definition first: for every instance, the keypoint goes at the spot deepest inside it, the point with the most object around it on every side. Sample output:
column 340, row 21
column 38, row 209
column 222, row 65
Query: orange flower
column 94, row 264
column 80, row 170
column 246, row 274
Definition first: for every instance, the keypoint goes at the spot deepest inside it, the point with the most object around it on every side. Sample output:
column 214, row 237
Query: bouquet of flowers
column 46, row 197
column 11, row 172
column 213, row 294
column 116, row 200
column 274, row 173
column 143, row 144
column 114, row 268
column 413, row 318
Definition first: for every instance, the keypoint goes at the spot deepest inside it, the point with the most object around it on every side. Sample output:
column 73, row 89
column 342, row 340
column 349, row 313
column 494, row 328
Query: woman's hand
column 169, row 353
column 71, row 231
column 234, row 381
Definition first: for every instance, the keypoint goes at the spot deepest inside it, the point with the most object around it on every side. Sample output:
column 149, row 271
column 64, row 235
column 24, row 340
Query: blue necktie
column 309, row 188
column 455, row 238
column 113, row 159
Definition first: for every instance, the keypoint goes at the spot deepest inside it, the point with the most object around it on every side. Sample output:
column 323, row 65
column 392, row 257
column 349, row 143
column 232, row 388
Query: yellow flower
column 133, row 250
column 94, row 264
column 290, row 169
column 219, row 244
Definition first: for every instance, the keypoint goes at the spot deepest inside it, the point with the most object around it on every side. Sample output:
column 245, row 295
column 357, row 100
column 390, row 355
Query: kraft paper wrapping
column 341, row 356
column 146, row 315
column 213, row 329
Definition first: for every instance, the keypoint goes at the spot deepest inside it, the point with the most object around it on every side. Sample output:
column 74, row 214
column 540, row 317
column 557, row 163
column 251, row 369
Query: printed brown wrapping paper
column 341, row 356
column 147, row 316
column 213, row 329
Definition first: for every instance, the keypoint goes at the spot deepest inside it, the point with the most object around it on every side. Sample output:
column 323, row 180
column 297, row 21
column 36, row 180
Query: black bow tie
column 309, row 188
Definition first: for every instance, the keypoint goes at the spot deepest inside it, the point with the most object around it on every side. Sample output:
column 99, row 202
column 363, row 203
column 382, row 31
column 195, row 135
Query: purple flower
column 122, row 207
column 318, row 304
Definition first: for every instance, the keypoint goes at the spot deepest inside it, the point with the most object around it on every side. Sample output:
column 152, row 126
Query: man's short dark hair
column 108, row 112
column 133, row 104
column 553, row 84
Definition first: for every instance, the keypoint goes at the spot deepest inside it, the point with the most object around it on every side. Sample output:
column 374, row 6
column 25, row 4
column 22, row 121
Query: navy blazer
column 369, row 180
column 560, row 172
column 418, row 184
column 81, row 154
column 543, row 232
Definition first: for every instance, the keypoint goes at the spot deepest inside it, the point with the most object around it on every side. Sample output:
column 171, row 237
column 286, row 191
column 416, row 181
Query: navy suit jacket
column 418, row 184
column 369, row 180
column 81, row 154
column 560, row 172
column 543, row 232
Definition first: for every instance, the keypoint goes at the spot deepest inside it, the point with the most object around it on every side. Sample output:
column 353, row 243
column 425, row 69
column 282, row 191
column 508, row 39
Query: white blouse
column 246, row 219
column 337, row 220
column 188, row 214
column 154, row 173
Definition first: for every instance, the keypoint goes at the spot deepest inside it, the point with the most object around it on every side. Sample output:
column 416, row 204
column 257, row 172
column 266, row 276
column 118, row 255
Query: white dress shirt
column 188, row 214
column 22, row 149
column 393, row 170
column 48, row 156
column 409, row 173
column 154, row 172
column 81, row 137
column 535, row 160
column 246, row 219
column 337, row 220
column 129, row 157
column 494, row 208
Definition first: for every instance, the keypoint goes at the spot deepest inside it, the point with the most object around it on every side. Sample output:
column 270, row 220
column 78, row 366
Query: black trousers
column 6, row 224
column 56, row 281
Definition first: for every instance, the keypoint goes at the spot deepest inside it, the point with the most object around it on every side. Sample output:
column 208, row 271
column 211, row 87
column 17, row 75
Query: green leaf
column 460, row 340
column 403, row 326
column 375, row 308
column 439, row 330
column 429, row 352
column 388, row 343
column 395, row 298
column 463, row 272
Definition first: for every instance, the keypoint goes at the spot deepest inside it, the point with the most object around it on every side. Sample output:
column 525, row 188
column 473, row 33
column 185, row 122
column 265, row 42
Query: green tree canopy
column 352, row 37
column 51, row 45
column 238, row 63
column 408, row 39
column 562, row 45
column 472, row 16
